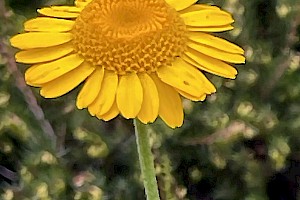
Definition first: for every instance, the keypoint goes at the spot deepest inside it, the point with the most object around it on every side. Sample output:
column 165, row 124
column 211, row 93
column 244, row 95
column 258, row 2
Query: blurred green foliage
column 231, row 147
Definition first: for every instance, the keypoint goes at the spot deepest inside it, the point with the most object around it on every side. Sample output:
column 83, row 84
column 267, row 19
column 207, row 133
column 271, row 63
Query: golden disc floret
column 128, row 36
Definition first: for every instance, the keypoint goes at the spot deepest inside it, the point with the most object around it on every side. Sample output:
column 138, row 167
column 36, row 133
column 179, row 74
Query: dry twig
column 6, row 52
column 233, row 129
column 286, row 59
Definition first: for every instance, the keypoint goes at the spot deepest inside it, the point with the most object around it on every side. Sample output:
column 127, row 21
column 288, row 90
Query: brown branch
column 29, row 97
column 286, row 59
column 6, row 52
column 233, row 129
column 7, row 173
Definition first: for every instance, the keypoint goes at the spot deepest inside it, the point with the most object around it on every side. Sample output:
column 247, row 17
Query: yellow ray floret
column 43, row 73
column 91, row 89
column 39, row 55
column 106, row 96
column 110, row 114
column 213, row 41
column 180, row 5
column 129, row 95
column 47, row 24
column 210, row 29
column 39, row 40
column 59, row 13
column 170, row 106
column 219, row 54
column 67, row 82
column 199, row 7
column 184, row 77
column 209, row 64
column 82, row 3
column 204, row 18
column 150, row 104
column 190, row 97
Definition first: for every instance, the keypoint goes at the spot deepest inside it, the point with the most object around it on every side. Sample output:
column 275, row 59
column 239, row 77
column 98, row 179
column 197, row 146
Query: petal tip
column 44, row 94
column 13, row 41
column 173, row 123
column 174, row 126
column 146, row 121
column 92, row 113
column 79, row 105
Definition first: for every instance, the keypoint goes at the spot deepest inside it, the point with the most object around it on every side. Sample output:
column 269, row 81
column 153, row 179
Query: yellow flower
column 135, row 57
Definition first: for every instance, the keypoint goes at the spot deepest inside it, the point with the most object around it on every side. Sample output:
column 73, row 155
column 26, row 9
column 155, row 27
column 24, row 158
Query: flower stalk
column 146, row 160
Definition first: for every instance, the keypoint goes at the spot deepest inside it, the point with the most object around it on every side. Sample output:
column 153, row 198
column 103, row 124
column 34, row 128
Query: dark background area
column 241, row 143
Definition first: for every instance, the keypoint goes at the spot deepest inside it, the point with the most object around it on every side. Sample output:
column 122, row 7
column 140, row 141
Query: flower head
column 135, row 57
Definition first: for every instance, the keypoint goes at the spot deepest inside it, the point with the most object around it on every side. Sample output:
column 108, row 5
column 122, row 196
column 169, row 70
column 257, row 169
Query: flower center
column 129, row 35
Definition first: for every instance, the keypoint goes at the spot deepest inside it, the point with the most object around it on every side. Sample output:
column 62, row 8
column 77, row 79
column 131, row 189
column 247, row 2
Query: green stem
column 146, row 161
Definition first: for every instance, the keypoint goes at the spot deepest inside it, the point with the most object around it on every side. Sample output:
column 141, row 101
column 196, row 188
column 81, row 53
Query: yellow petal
column 216, row 42
column 207, row 18
column 66, row 82
column 184, row 77
column 50, row 12
column 44, row 54
column 170, row 106
column 91, row 88
column 112, row 113
column 87, row 1
column 216, row 53
column 150, row 105
column 106, row 96
column 39, row 40
column 190, row 97
column 209, row 64
column 82, row 3
column 129, row 95
column 71, row 9
column 198, row 7
column 43, row 73
column 210, row 29
column 47, row 24
column 181, row 4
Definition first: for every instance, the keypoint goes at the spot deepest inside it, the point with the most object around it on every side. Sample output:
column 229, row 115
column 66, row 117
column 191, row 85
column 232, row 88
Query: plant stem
column 146, row 160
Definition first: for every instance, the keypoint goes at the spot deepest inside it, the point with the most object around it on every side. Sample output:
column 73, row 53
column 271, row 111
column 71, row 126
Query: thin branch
column 7, row 173
column 233, row 129
column 6, row 52
column 286, row 59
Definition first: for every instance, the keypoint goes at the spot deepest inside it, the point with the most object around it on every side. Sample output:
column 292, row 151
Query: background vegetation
column 241, row 143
